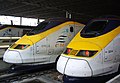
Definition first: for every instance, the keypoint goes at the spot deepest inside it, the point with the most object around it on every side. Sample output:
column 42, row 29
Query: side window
column 71, row 29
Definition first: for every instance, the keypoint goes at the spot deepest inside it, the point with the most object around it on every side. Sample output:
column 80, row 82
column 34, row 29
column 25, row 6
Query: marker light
column 67, row 51
column 86, row 53
column 19, row 46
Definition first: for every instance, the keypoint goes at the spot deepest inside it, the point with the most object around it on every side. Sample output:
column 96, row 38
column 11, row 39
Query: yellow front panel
column 100, row 41
column 95, row 43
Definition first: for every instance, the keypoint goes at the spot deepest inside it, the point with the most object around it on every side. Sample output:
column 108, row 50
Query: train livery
column 43, row 44
column 10, row 33
column 14, row 30
column 94, row 51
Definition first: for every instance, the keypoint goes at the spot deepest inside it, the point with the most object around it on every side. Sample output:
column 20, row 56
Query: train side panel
column 112, row 56
column 108, row 60
column 53, row 45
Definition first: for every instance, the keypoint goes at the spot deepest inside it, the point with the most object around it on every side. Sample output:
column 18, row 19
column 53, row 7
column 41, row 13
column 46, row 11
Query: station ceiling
column 81, row 9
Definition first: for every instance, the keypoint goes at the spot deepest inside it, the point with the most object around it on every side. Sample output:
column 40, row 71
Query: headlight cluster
column 82, row 53
column 67, row 51
column 19, row 46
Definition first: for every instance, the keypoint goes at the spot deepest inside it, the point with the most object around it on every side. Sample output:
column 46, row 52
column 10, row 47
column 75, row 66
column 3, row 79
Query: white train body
column 42, row 46
column 13, row 30
column 89, row 55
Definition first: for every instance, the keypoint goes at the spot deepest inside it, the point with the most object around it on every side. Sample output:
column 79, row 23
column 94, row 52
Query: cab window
column 43, row 26
column 40, row 27
column 99, row 27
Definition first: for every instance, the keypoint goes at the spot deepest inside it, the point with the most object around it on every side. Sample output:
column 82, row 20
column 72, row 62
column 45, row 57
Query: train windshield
column 40, row 27
column 99, row 27
column 43, row 26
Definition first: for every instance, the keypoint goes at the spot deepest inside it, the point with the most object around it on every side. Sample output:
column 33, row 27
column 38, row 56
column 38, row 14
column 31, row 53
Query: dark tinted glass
column 71, row 29
column 112, row 24
column 44, row 26
column 99, row 27
column 40, row 27
column 21, row 46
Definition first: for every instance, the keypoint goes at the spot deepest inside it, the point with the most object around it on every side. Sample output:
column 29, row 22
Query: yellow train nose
column 25, row 40
column 84, row 45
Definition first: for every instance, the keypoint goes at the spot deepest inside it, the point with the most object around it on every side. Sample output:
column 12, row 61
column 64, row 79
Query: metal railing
column 5, row 42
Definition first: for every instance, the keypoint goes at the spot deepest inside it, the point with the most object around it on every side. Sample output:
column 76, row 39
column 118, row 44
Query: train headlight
column 86, row 53
column 81, row 53
column 67, row 51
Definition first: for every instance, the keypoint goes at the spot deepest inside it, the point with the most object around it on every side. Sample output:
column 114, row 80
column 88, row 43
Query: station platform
column 3, row 65
column 116, row 79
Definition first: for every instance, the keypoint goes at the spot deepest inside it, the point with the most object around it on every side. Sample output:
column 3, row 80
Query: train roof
column 48, row 24
column 63, row 19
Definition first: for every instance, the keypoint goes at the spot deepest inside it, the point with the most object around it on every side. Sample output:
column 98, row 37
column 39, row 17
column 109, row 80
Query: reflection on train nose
column 12, row 57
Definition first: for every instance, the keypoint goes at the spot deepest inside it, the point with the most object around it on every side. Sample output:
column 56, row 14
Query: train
column 43, row 44
column 94, row 51
column 14, row 30
column 10, row 33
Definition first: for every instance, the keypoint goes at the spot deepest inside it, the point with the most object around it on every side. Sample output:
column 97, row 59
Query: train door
column 109, row 52
column 108, row 57
column 29, row 55
column 40, row 53
column 50, row 49
column 116, row 47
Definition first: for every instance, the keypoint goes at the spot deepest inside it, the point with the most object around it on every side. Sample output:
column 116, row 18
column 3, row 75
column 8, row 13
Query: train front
column 75, row 61
column 22, row 51
column 84, row 55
